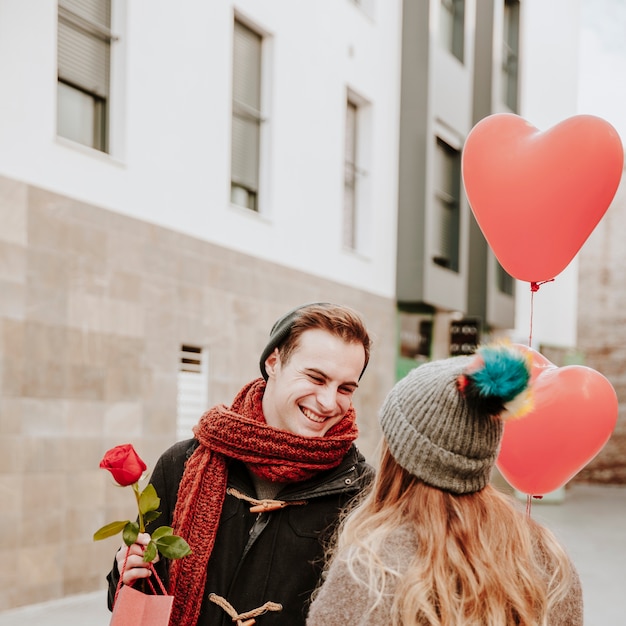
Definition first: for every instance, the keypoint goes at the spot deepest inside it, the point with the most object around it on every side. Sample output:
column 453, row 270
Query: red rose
column 124, row 463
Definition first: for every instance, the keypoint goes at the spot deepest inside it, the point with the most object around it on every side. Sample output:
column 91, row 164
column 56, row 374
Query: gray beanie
column 442, row 422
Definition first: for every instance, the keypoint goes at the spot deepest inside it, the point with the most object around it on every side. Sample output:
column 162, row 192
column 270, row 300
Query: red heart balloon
column 575, row 411
column 537, row 196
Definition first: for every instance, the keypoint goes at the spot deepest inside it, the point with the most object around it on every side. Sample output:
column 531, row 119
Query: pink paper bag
column 134, row 608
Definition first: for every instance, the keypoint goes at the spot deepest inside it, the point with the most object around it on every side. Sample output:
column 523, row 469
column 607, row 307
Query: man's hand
column 136, row 567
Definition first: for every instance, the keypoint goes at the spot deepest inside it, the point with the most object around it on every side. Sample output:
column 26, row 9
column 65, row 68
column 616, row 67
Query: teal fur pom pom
column 504, row 373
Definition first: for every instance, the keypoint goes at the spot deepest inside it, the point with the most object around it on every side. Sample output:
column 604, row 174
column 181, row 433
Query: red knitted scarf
column 239, row 432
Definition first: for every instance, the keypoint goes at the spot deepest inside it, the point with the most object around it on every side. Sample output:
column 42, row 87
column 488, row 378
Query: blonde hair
column 479, row 559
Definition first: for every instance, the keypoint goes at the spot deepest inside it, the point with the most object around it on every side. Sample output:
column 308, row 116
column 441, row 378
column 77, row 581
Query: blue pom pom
column 504, row 374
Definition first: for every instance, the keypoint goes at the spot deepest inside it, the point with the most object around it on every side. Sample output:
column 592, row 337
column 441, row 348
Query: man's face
column 312, row 391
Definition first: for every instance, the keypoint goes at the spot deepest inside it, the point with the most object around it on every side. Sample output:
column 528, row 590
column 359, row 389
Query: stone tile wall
column 94, row 307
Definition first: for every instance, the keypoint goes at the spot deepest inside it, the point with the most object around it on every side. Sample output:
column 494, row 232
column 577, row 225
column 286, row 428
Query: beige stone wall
column 602, row 326
column 94, row 307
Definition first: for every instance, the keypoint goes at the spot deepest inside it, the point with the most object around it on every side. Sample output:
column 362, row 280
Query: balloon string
column 532, row 304
column 534, row 286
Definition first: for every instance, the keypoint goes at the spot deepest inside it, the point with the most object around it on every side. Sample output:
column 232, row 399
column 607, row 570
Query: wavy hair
column 479, row 558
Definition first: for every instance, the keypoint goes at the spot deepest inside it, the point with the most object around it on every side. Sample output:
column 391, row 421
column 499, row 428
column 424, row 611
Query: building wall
column 602, row 326
column 171, row 99
column 94, row 307
column 579, row 318
column 600, row 283
column 442, row 97
column 549, row 84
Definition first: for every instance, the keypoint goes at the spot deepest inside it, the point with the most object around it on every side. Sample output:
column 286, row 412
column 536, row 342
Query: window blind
column 193, row 389
column 350, row 177
column 84, row 42
column 246, row 123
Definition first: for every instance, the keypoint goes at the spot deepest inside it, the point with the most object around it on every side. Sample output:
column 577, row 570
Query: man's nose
column 327, row 398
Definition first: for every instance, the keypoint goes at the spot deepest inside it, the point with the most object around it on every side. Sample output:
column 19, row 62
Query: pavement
column 590, row 522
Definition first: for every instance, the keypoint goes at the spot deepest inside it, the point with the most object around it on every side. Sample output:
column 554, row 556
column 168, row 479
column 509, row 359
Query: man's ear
column 272, row 362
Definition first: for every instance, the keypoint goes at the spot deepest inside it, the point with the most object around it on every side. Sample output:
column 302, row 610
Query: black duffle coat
column 272, row 556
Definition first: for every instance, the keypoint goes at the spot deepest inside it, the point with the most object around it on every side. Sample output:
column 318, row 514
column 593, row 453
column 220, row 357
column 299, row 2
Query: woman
column 433, row 542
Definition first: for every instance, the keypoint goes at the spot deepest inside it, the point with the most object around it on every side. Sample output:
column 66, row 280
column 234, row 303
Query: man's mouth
column 314, row 417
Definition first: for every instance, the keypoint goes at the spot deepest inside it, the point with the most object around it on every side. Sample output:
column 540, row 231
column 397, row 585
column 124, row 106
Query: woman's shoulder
column 569, row 609
column 395, row 547
column 401, row 540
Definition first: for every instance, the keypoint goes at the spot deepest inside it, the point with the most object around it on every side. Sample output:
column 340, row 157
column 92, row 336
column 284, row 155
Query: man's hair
column 340, row 321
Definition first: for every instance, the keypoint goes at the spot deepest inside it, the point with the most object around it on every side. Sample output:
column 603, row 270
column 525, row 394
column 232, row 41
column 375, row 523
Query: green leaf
column 173, row 547
column 109, row 530
column 148, row 500
column 150, row 516
column 150, row 552
column 162, row 531
column 131, row 530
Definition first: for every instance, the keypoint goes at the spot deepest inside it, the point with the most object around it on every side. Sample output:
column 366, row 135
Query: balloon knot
column 535, row 286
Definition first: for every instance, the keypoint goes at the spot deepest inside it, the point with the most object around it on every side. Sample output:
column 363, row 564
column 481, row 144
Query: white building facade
column 169, row 106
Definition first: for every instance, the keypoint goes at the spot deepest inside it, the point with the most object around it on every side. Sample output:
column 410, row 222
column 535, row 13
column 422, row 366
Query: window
column 464, row 336
column 193, row 389
column 350, row 178
column 452, row 26
column 510, row 53
column 356, row 159
column 246, row 117
column 416, row 332
column 83, row 66
column 447, row 203
column 415, row 338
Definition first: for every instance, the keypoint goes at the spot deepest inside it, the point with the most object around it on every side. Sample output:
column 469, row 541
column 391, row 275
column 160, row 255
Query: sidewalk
column 590, row 522
column 83, row 610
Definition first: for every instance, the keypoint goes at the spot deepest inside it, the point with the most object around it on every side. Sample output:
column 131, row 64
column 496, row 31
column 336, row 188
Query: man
column 259, row 489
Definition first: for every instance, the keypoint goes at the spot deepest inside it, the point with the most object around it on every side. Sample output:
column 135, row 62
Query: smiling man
column 258, row 490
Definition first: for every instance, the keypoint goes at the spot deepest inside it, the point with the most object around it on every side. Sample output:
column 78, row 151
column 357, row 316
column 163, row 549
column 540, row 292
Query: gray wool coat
column 342, row 600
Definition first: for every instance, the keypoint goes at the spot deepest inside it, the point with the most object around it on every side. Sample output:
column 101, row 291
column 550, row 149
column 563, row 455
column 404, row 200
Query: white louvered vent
column 193, row 389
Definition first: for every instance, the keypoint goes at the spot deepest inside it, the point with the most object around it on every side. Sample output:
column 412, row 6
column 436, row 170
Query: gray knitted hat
column 443, row 421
